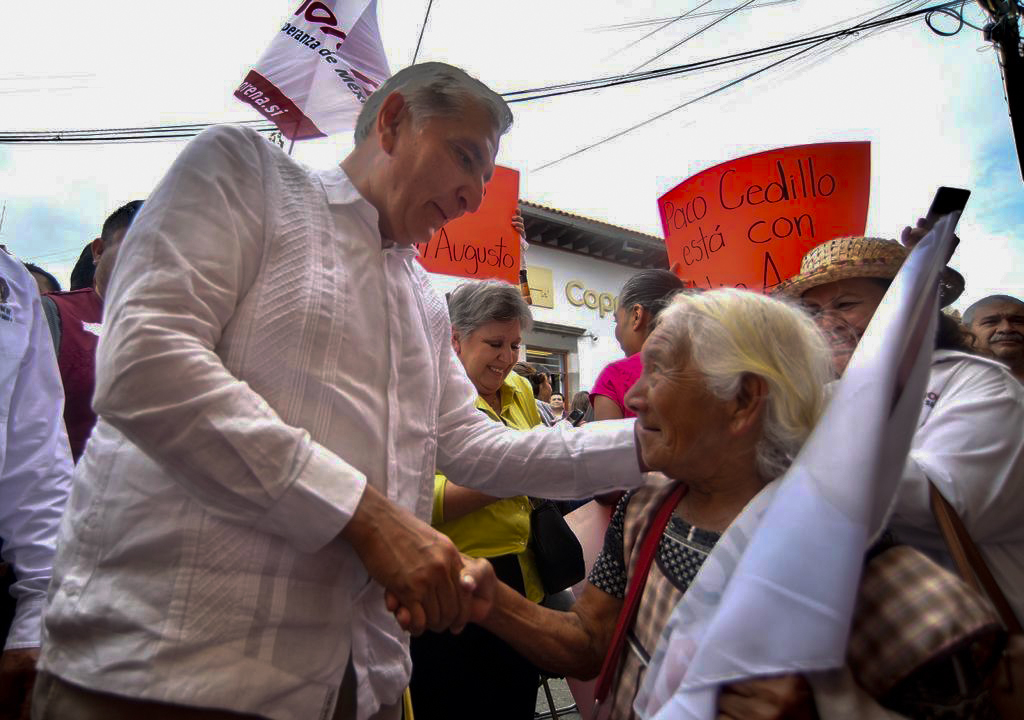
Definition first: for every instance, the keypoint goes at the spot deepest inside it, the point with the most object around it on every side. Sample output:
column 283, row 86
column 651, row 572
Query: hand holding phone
column 947, row 200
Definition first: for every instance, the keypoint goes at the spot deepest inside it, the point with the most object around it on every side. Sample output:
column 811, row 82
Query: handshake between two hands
column 429, row 584
column 471, row 601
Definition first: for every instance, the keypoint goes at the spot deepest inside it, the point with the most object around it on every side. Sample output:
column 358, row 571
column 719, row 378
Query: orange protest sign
column 481, row 244
column 748, row 222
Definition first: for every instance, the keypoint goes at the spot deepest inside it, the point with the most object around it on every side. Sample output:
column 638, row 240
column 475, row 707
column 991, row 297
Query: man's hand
column 416, row 564
column 779, row 698
column 478, row 585
column 17, row 676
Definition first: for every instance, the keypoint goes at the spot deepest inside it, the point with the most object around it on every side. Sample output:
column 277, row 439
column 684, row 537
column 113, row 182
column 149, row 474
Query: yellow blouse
column 503, row 527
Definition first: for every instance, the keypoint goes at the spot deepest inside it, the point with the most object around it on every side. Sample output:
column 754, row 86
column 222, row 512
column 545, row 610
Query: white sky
column 933, row 107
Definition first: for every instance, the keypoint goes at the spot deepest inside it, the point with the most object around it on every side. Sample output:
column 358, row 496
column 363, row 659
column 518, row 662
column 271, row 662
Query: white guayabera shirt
column 264, row 359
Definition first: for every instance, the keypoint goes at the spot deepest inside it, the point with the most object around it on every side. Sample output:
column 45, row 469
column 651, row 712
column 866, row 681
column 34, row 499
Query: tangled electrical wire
column 957, row 13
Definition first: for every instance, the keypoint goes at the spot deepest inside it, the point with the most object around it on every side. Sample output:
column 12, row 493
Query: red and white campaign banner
column 319, row 69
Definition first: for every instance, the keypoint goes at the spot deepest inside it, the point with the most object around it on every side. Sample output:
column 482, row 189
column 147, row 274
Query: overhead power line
column 158, row 133
column 690, row 15
column 811, row 43
column 629, row 78
column 648, row 121
column 426, row 16
column 692, row 12
column 695, row 33
column 181, row 131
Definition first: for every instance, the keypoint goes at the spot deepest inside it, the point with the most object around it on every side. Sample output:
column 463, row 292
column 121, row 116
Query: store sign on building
column 580, row 295
column 542, row 286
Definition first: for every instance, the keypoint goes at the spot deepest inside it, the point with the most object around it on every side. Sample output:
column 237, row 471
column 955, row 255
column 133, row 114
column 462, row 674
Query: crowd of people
column 251, row 453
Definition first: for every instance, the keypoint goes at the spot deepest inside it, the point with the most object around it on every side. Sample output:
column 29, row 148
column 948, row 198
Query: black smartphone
column 947, row 200
column 575, row 416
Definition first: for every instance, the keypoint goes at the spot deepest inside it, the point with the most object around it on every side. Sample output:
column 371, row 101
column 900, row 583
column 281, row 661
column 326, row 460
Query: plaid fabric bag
column 1008, row 685
column 923, row 643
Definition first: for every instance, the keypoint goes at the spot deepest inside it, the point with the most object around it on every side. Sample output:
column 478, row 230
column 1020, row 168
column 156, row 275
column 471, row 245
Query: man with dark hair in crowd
column 47, row 283
column 997, row 322
column 76, row 319
column 84, row 271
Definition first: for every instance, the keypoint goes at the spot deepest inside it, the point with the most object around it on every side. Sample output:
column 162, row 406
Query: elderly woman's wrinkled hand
column 477, row 587
column 779, row 698
column 479, row 583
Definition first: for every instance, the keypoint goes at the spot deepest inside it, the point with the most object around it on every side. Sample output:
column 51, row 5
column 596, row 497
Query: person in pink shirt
column 642, row 298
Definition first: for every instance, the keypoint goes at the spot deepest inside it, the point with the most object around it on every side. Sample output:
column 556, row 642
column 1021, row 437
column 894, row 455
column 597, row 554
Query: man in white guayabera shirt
column 275, row 388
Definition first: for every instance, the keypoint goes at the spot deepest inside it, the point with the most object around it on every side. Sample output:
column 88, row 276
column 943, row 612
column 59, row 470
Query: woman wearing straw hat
column 970, row 437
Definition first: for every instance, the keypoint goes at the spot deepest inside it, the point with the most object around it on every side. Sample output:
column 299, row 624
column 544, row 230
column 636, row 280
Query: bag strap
column 969, row 561
column 631, row 605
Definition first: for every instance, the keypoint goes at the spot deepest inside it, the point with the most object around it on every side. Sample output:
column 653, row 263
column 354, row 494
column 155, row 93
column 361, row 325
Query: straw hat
column 853, row 257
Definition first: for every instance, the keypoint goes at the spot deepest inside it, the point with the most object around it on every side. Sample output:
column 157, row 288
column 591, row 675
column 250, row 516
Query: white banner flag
column 319, row 69
column 776, row 595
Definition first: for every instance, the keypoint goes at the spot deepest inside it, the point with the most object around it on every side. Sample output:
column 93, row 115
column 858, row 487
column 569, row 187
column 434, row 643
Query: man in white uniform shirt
column 969, row 441
column 35, row 471
column 275, row 387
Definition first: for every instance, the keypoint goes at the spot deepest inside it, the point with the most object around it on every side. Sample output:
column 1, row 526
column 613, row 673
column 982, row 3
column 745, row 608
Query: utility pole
column 1003, row 30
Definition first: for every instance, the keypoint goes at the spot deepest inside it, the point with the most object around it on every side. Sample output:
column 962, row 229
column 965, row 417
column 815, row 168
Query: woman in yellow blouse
column 475, row 674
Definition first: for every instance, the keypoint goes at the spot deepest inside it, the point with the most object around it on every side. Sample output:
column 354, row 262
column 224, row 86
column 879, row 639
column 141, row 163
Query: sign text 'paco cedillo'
column 748, row 222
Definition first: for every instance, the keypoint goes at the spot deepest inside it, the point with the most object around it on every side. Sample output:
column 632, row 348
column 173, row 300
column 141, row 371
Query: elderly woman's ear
column 456, row 345
column 748, row 405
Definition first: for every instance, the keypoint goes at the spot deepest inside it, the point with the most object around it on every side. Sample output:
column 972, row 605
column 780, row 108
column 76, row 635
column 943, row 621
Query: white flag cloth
column 776, row 595
column 319, row 69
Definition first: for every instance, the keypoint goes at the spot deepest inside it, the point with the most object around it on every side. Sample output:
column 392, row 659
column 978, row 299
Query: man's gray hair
column 969, row 312
column 431, row 89
column 474, row 304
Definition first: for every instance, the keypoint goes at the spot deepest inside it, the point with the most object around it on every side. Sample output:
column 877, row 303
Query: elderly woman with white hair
column 732, row 384
column 458, row 675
